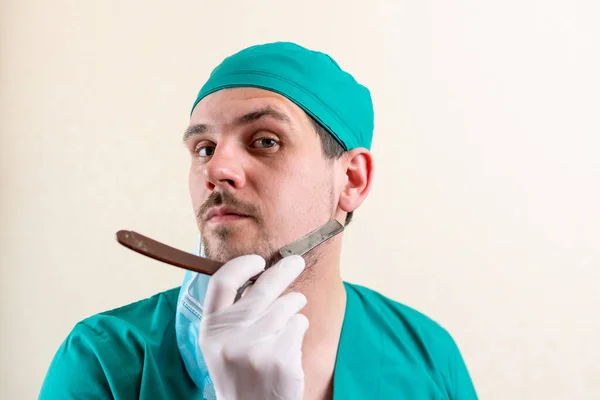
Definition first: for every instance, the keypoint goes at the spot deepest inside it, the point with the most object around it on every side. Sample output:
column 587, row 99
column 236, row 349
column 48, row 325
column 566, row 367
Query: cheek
column 302, row 195
column 197, row 187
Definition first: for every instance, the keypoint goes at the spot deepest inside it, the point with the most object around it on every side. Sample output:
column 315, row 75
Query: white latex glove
column 253, row 348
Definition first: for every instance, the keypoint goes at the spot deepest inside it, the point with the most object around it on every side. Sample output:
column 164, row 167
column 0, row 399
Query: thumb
column 224, row 284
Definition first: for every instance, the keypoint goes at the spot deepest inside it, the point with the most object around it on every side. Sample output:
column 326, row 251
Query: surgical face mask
column 187, row 324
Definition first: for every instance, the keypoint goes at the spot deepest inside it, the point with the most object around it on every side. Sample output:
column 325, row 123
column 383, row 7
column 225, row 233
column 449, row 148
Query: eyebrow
column 245, row 119
column 196, row 129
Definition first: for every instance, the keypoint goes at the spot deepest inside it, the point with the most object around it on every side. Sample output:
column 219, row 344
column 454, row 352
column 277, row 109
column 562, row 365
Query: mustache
column 227, row 199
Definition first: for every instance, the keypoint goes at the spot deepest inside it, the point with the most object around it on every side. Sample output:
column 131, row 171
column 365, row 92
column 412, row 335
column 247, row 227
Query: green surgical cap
column 310, row 79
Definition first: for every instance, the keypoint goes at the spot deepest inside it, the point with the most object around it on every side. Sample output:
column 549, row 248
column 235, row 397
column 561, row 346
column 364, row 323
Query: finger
column 278, row 315
column 224, row 284
column 272, row 283
column 289, row 342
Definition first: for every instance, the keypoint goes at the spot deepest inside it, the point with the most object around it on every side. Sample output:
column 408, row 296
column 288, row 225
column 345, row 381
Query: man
column 279, row 140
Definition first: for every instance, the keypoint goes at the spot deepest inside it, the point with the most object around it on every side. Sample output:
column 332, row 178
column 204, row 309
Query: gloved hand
column 253, row 348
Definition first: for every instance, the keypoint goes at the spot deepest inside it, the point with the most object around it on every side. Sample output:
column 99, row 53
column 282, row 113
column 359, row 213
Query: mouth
column 224, row 214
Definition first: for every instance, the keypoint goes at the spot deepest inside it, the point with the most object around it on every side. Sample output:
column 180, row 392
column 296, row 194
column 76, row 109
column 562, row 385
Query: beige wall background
column 485, row 211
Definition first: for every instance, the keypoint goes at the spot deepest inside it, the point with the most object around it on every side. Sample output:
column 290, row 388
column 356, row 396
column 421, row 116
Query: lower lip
column 227, row 218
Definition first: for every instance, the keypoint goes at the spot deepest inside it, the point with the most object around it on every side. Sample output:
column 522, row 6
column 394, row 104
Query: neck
column 325, row 310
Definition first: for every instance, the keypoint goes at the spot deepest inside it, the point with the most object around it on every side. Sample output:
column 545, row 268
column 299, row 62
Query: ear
column 359, row 177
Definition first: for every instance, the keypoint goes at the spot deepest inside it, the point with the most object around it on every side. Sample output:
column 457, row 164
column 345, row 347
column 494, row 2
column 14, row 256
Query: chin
column 225, row 251
column 223, row 245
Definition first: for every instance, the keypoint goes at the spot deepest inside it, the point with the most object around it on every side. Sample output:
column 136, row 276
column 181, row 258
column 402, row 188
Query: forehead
column 226, row 105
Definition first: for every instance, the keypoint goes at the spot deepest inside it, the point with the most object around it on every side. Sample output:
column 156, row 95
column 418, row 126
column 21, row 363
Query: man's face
column 258, row 178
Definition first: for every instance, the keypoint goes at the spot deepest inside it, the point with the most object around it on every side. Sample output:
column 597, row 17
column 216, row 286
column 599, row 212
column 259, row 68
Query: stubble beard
column 223, row 248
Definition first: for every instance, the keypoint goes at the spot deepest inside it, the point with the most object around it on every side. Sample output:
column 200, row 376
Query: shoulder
column 412, row 335
column 106, row 350
column 398, row 315
column 148, row 317
column 124, row 335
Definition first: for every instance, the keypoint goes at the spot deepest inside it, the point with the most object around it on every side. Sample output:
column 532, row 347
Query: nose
column 225, row 169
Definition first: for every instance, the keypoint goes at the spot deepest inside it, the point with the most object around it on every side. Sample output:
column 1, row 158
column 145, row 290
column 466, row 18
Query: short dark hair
column 332, row 150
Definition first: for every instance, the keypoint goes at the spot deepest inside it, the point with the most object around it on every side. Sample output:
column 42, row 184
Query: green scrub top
column 386, row 351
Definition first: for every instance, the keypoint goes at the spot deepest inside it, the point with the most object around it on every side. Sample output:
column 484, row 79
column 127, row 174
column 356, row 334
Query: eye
column 204, row 150
column 265, row 143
